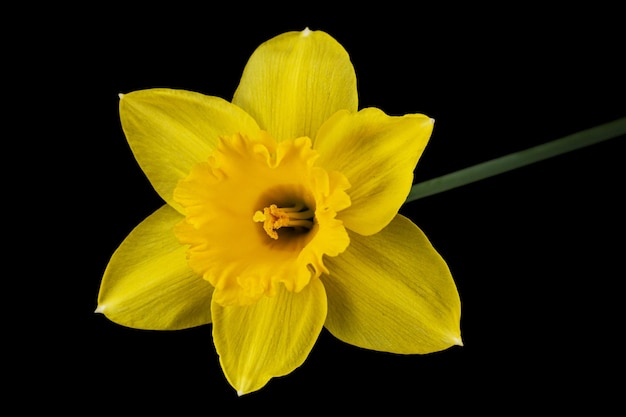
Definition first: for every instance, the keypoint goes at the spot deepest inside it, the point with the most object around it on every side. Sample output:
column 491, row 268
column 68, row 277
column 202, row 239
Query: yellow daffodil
column 281, row 218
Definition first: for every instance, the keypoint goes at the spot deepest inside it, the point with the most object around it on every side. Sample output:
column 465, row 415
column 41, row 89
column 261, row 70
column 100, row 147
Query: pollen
column 297, row 217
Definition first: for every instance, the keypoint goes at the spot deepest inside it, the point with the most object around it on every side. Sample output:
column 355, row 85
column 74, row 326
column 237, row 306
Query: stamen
column 274, row 218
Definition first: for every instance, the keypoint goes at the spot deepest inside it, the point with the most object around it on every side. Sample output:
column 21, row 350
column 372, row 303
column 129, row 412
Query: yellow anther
column 274, row 218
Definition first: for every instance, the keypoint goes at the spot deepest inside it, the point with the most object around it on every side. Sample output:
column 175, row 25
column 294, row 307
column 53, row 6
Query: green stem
column 519, row 159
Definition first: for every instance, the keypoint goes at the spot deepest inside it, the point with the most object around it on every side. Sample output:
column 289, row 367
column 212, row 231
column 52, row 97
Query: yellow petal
column 393, row 292
column 377, row 153
column 169, row 131
column 270, row 338
column 295, row 81
column 148, row 284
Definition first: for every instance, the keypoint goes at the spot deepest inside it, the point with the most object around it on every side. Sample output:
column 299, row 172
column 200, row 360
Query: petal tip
column 121, row 95
column 432, row 121
column 306, row 32
column 99, row 309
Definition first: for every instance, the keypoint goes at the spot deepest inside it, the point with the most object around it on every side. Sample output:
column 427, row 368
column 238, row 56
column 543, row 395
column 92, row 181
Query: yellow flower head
column 281, row 218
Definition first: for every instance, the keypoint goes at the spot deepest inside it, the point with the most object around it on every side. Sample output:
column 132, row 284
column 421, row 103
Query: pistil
column 274, row 218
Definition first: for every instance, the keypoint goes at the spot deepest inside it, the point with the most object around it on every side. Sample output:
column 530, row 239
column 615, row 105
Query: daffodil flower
column 281, row 218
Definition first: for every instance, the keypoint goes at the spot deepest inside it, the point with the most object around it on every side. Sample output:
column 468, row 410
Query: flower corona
column 234, row 199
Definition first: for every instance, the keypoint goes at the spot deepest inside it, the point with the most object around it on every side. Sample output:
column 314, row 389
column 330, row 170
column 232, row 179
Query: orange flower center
column 273, row 218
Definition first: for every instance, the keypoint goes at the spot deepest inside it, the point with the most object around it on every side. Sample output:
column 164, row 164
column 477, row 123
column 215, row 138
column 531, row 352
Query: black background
column 536, row 253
